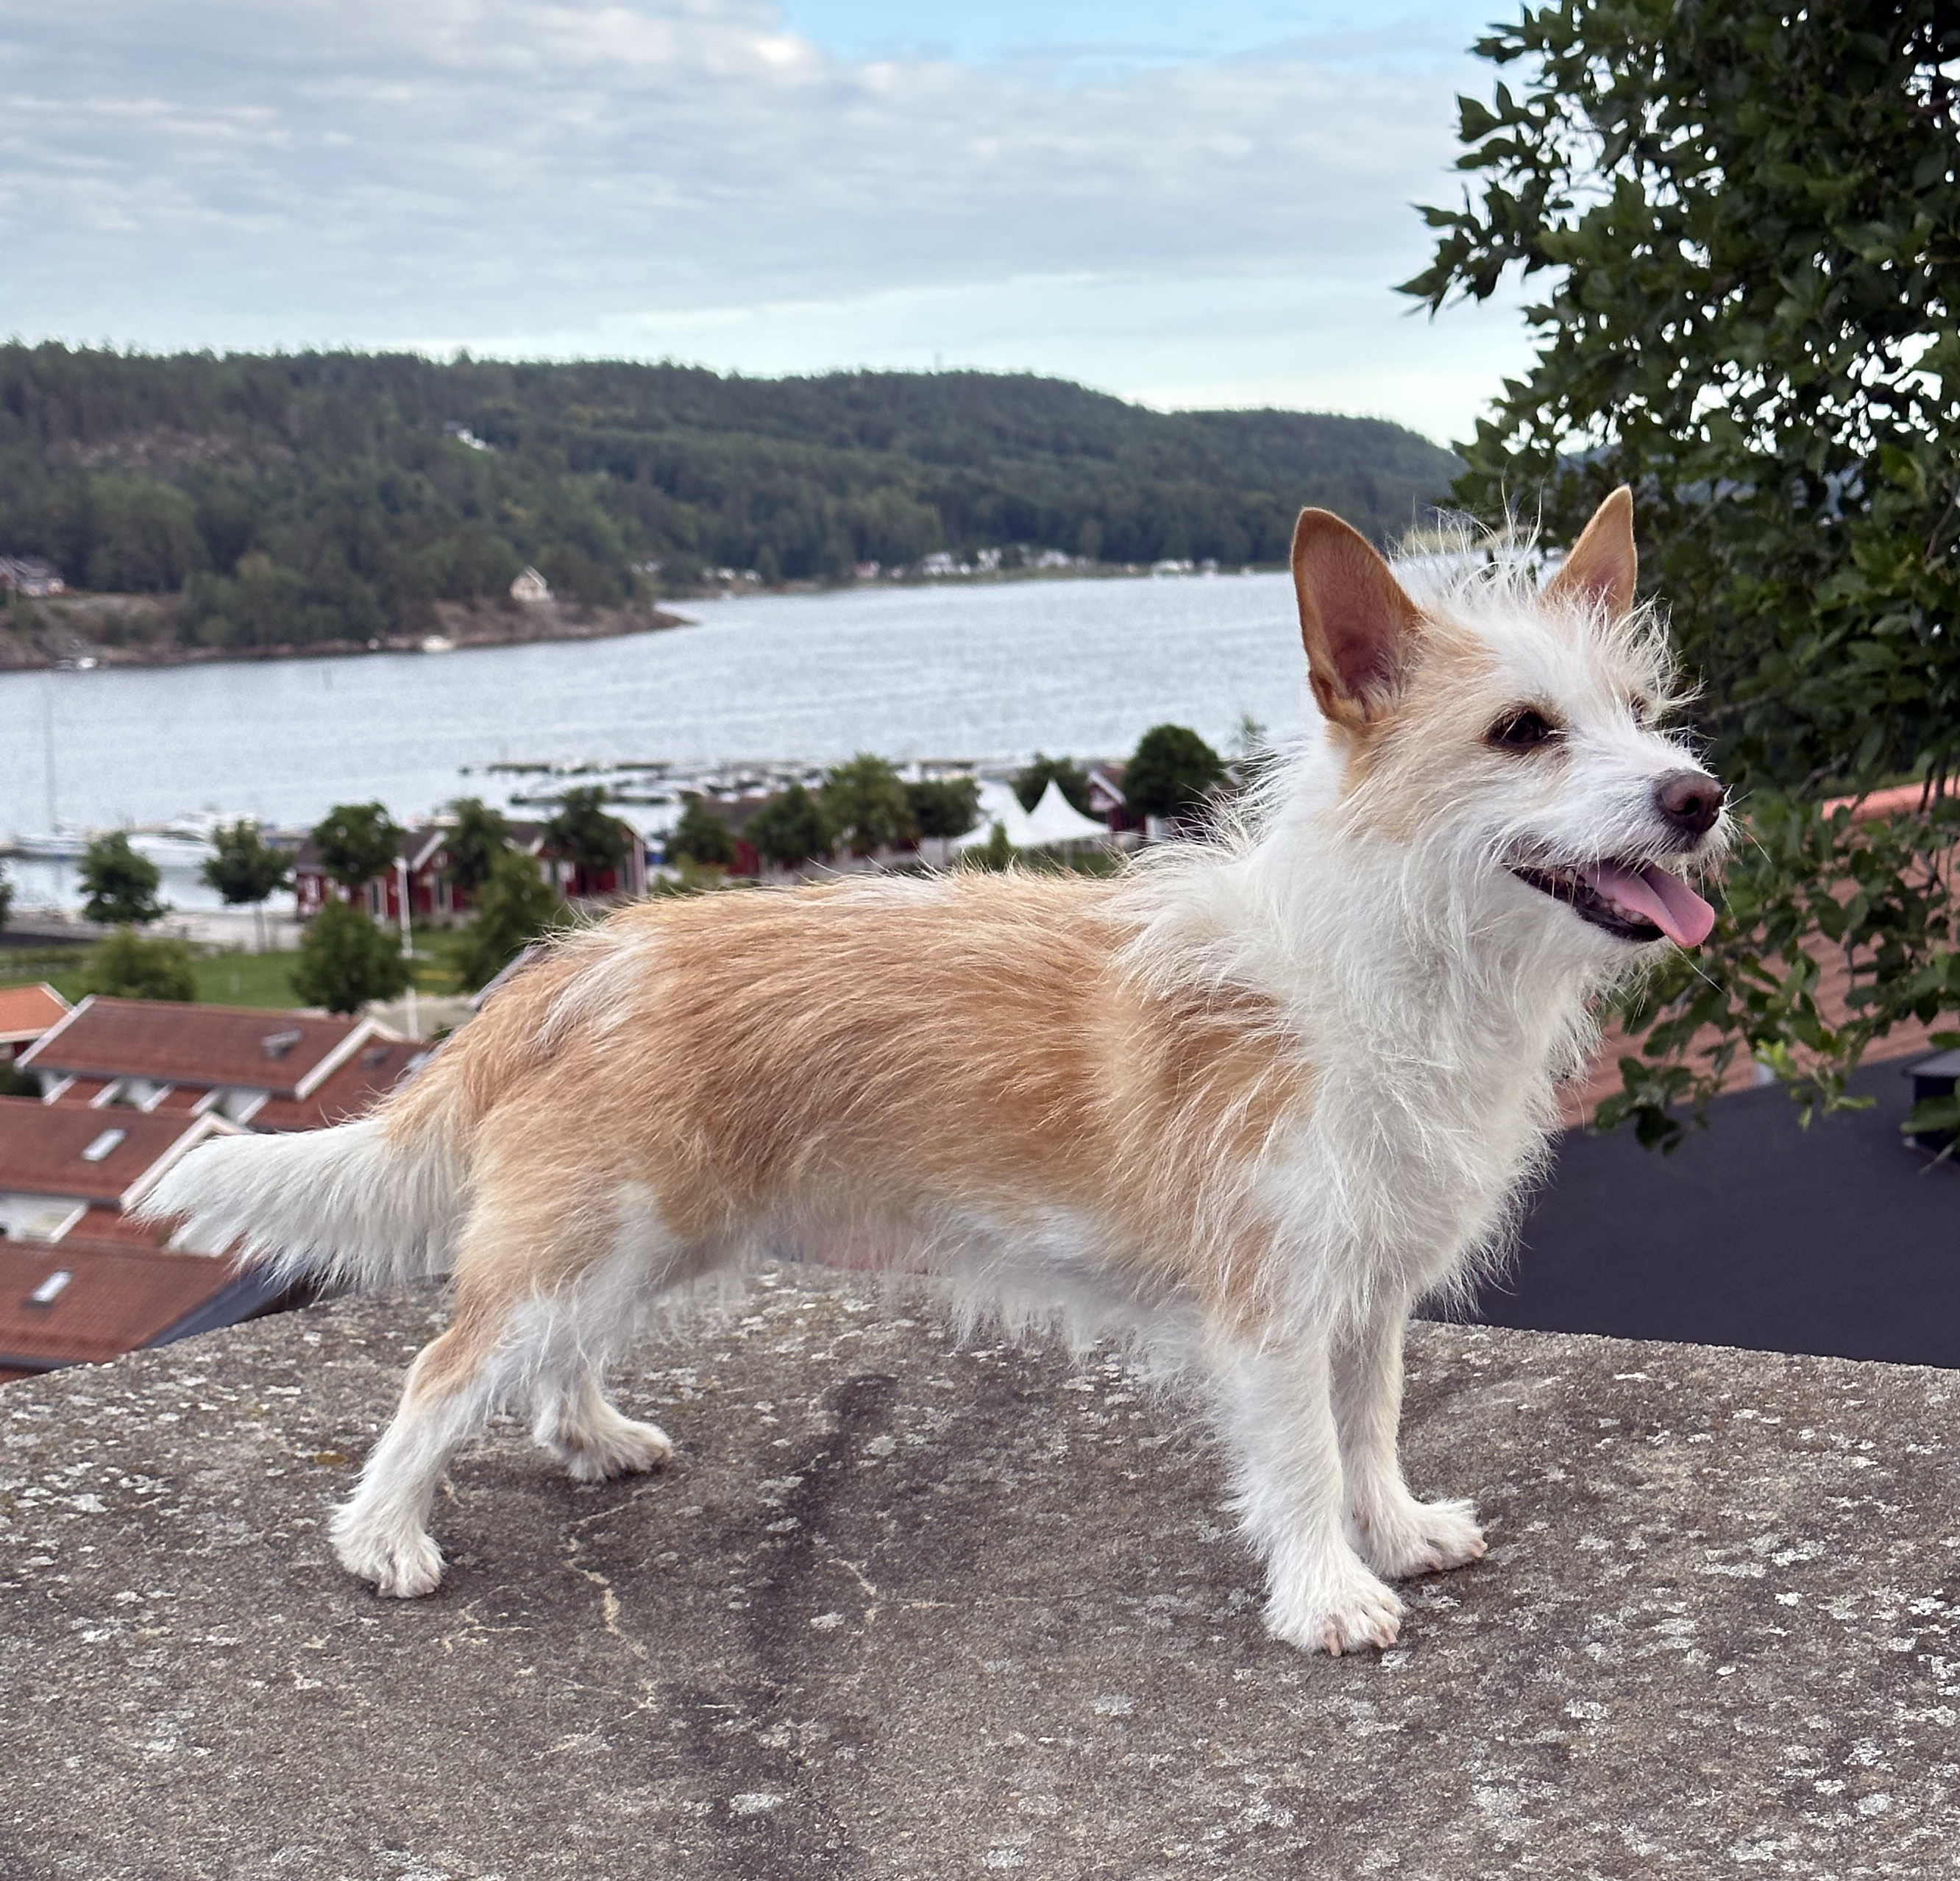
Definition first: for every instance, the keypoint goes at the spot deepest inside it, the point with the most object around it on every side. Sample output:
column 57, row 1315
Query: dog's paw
column 1419, row 1538
column 403, row 1564
column 622, row 1448
column 1360, row 1613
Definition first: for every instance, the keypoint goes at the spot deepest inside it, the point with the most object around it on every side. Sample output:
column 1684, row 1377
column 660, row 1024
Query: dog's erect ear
column 1604, row 564
column 1359, row 626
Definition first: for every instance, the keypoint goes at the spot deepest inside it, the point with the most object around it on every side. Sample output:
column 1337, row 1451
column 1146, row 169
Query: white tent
column 1052, row 821
column 1055, row 820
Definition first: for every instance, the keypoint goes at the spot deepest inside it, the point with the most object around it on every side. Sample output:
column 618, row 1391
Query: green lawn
column 223, row 979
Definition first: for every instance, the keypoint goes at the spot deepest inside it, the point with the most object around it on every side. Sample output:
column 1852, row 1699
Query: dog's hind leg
column 1397, row 1535
column 585, row 1323
column 1278, row 1422
column 524, row 1248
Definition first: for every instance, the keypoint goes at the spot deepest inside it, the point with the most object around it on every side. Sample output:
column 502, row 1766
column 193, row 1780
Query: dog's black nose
column 1690, row 799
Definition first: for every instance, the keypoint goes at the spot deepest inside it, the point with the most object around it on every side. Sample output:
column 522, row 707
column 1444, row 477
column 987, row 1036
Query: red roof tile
column 373, row 1071
column 42, row 1146
column 170, row 1042
column 115, row 1298
column 26, row 1012
column 113, row 1225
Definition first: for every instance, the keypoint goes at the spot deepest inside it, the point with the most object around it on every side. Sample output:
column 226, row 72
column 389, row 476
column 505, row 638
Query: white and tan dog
column 1246, row 1102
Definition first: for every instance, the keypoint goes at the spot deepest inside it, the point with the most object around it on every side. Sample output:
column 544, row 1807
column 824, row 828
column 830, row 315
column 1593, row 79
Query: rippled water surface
column 1082, row 668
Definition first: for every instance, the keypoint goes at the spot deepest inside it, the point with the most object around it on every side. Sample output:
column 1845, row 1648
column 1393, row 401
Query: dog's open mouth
column 1635, row 901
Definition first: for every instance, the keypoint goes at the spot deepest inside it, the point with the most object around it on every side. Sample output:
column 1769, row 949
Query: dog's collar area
column 1569, row 885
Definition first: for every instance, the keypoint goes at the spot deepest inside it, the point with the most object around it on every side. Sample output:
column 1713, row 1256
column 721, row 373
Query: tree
column 515, row 907
column 790, row 829
column 245, row 868
column 1748, row 222
column 118, row 886
column 945, row 806
column 702, row 835
column 126, row 966
column 356, row 843
column 865, row 801
column 346, row 960
column 1173, row 774
column 6, row 896
column 480, row 834
column 584, row 833
column 1030, row 783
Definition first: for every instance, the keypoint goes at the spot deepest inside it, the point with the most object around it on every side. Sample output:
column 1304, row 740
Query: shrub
column 127, row 966
column 346, row 960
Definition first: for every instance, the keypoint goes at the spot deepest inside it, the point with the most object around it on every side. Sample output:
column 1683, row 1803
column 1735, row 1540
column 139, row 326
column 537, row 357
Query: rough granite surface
column 903, row 1607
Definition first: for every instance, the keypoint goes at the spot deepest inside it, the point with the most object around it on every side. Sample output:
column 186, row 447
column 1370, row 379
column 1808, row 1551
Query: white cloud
column 694, row 178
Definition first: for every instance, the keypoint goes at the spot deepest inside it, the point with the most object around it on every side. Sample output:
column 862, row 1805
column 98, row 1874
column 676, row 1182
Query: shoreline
column 458, row 630
column 62, row 643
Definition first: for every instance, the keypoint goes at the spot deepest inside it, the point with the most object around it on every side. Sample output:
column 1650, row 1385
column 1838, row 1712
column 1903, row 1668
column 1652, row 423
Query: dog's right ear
column 1359, row 626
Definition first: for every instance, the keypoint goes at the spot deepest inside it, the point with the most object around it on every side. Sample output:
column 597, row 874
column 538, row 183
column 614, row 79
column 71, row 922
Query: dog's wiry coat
column 1245, row 1103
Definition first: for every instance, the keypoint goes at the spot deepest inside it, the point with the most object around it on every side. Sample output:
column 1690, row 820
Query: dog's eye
column 1522, row 730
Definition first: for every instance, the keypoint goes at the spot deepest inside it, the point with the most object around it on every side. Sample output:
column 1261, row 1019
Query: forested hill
column 337, row 496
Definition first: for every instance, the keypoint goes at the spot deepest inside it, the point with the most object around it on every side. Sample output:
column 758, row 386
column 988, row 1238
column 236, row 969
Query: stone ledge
column 902, row 1609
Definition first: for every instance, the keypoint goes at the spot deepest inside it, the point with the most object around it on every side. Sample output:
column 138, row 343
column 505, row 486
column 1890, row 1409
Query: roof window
column 105, row 1145
column 276, row 1044
column 51, row 1289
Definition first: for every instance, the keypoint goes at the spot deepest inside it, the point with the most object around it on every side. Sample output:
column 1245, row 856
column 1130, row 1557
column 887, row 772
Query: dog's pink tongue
column 1665, row 899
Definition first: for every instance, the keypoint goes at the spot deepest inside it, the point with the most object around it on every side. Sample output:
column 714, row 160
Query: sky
column 1190, row 205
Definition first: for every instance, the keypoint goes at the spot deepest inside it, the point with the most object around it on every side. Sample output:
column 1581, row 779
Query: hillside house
column 30, row 577
column 26, row 1013
column 268, row 1070
column 530, row 586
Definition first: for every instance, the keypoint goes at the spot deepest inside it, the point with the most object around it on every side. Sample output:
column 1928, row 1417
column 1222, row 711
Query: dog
column 1244, row 1103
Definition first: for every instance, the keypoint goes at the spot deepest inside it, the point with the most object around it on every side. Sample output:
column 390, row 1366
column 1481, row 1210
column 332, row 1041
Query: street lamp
column 408, row 942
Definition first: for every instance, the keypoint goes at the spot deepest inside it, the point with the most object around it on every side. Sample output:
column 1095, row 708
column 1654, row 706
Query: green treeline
column 330, row 496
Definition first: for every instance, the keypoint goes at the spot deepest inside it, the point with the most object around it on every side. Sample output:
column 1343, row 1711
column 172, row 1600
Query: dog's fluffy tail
column 362, row 1204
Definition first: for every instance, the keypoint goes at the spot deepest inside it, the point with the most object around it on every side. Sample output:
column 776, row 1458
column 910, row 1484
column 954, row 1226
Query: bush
column 866, row 805
column 127, row 966
column 516, row 906
column 702, row 835
column 119, row 885
column 1173, row 772
column 346, row 960
column 946, row 807
column 791, row 829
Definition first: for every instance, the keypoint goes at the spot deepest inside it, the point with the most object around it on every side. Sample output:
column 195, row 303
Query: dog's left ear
column 1359, row 626
column 1604, row 565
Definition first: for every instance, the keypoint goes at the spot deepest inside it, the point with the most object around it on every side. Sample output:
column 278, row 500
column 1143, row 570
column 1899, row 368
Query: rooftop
column 81, row 1301
column 316, row 1069
column 26, row 1012
column 902, row 1608
column 97, row 1156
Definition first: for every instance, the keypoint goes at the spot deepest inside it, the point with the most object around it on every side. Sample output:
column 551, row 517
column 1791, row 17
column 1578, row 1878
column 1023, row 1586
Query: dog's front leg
column 1279, row 1423
column 1398, row 1535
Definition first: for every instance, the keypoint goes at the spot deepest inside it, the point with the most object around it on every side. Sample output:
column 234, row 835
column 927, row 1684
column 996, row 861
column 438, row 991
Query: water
column 994, row 673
